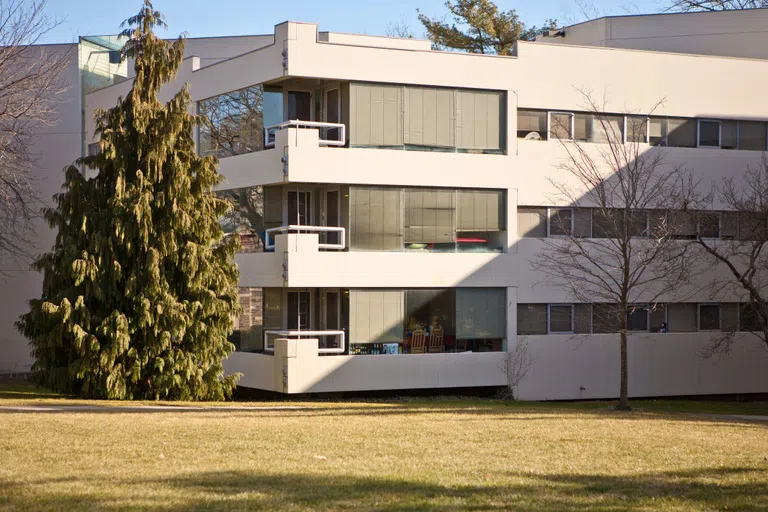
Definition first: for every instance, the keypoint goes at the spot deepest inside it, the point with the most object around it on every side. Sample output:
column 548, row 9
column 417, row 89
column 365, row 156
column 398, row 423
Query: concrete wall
column 728, row 33
column 56, row 146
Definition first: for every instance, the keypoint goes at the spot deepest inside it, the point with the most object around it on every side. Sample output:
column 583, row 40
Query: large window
column 254, row 210
column 427, row 320
column 427, row 219
column 237, row 120
column 427, row 118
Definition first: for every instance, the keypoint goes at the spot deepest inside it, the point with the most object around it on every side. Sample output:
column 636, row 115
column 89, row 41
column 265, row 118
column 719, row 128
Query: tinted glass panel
column 709, row 133
column 709, row 317
column 637, row 320
column 560, row 221
column 560, row 126
column 560, row 319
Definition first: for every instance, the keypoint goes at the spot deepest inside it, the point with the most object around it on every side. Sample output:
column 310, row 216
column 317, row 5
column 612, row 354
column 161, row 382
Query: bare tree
column 31, row 87
column 517, row 363
column 714, row 5
column 629, row 256
column 742, row 249
column 400, row 29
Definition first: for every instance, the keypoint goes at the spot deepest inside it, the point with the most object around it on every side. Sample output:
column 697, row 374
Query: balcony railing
column 327, row 129
column 286, row 333
column 269, row 242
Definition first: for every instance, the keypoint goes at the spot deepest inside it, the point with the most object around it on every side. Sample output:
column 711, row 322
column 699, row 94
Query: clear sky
column 230, row 17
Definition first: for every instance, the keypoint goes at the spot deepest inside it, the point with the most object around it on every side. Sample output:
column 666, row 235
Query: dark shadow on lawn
column 243, row 490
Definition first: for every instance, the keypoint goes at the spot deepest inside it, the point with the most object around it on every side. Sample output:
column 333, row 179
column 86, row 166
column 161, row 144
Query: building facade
column 390, row 200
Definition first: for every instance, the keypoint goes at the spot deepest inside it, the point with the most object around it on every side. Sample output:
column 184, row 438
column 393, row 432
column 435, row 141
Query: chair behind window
column 436, row 341
column 418, row 342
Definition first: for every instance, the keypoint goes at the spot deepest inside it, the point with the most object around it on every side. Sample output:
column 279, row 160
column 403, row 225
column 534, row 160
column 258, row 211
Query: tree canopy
column 478, row 26
column 139, row 291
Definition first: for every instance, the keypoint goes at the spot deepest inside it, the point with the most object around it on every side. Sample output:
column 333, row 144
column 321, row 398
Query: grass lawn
column 436, row 454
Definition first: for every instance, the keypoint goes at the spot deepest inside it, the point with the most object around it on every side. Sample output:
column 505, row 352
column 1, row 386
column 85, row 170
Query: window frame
column 549, row 319
column 550, row 113
column 549, row 221
column 719, row 133
column 719, row 316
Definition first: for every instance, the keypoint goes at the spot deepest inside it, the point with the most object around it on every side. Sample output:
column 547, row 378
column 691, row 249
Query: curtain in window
column 376, row 316
column 531, row 222
column 429, row 117
column 479, row 120
column 481, row 210
column 376, row 114
column 481, row 313
column 430, row 216
column 682, row 318
column 375, row 216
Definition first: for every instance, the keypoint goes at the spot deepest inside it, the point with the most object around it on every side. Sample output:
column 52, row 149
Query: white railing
column 285, row 333
column 341, row 244
column 341, row 131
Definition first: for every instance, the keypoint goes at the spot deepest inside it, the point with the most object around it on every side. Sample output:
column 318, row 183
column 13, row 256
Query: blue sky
column 228, row 17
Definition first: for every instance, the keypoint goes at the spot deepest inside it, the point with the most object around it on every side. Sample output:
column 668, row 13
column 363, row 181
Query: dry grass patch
column 433, row 454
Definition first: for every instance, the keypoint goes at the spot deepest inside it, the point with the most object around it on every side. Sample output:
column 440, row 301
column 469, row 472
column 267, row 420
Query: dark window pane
column 681, row 133
column 658, row 318
column 752, row 135
column 709, row 133
column 637, row 320
column 560, row 319
column 709, row 225
column 748, row 319
column 729, row 134
column 605, row 318
column 531, row 319
column 638, row 223
column 709, row 317
column 560, row 221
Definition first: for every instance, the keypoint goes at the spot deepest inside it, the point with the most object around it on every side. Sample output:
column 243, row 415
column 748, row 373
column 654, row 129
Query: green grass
column 424, row 454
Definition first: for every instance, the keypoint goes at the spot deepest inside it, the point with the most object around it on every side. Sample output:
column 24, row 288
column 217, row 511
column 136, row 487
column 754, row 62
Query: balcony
column 335, row 237
column 335, row 341
column 329, row 134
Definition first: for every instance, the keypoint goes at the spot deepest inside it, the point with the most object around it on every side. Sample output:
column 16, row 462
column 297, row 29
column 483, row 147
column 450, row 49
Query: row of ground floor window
column 392, row 321
column 533, row 319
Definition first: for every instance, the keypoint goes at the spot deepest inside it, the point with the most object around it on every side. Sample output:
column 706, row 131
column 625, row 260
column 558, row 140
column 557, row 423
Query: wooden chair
column 436, row 341
column 419, row 342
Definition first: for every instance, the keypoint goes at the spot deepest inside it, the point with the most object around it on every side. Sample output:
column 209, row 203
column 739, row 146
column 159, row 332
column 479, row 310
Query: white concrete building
column 390, row 200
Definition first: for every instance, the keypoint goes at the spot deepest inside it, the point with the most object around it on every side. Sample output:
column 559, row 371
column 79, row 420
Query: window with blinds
column 531, row 222
column 376, row 316
column 375, row 219
column 430, row 216
column 481, row 313
column 481, row 210
column 432, row 118
column 532, row 124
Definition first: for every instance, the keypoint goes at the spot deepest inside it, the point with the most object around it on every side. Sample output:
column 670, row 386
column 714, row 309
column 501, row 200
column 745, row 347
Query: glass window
column 709, row 225
column 605, row 223
column 682, row 317
column 681, row 133
column 657, row 135
column 637, row 129
column 531, row 222
column 682, row 225
column 752, row 135
column 729, row 134
column 237, row 120
column 709, row 133
column 246, row 218
column 638, row 223
column 481, row 314
column 248, row 333
column 532, row 124
column 658, row 318
column 531, row 319
column 430, row 219
column 375, row 219
column 752, row 226
column 709, row 317
column 560, row 126
column 560, row 221
column 601, row 128
column 748, row 318
column 560, row 318
column 605, row 318
column 637, row 319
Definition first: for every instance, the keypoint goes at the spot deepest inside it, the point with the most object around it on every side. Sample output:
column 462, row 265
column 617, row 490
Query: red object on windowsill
column 471, row 240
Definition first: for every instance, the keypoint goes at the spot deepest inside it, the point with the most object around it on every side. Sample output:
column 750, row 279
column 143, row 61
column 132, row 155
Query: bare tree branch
column 31, row 87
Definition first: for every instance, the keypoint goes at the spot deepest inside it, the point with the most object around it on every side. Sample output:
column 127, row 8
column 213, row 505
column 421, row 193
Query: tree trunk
column 623, row 404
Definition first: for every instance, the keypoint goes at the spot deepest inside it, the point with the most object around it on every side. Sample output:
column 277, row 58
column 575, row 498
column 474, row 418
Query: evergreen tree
column 479, row 27
column 139, row 291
